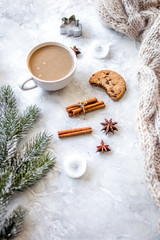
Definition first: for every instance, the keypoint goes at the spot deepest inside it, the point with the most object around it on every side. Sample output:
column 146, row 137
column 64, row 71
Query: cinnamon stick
column 72, row 108
column 87, row 110
column 76, row 111
column 71, row 114
column 95, row 108
column 74, row 132
column 93, row 100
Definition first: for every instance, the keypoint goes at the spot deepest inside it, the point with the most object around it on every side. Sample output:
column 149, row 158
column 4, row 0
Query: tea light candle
column 99, row 49
column 74, row 166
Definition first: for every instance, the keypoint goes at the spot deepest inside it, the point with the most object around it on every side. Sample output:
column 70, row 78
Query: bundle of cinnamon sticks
column 84, row 107
column 74, row 132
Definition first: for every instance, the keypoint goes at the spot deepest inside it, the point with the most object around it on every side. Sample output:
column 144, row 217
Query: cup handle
column 22, row 86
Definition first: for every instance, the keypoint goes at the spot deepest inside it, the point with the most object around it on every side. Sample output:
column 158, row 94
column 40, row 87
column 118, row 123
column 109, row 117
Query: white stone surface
column 111, row 201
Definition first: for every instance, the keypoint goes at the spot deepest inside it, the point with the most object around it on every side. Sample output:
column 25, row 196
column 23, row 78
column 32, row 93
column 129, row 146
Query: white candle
column 99, row 49
column 75, row 166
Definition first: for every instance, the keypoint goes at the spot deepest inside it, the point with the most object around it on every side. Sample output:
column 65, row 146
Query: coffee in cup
column 51, row 65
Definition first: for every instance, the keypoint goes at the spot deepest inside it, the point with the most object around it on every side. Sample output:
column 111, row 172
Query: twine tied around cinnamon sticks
column 81, row 105
column 84, row 107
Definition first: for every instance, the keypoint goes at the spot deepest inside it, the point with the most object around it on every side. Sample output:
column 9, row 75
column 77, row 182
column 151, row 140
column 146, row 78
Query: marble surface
column 111, row 201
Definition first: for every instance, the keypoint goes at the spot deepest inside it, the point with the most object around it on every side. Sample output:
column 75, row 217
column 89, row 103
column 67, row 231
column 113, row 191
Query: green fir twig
column 13, row 224
column 19, row 169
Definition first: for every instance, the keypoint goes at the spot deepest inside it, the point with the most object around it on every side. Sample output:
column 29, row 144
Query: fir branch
column 34, row 163
column 13, row 126
column 3, row 204
column 28, row 119
column 31, row 171
column 37, row 146
column 9, row 123
column 9, row 113
column 7, row 98
column 6, row 183
column 18, row 170
column 13, row 224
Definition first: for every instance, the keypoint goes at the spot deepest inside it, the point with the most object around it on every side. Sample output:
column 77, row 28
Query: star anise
column 103, row 148
column 109, row 126
column 76, row 50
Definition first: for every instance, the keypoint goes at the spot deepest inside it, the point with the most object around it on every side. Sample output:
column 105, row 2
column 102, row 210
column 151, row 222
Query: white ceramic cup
column 50, row 85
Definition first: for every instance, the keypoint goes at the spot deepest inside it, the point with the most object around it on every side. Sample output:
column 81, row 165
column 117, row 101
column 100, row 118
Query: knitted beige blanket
column 140, row 20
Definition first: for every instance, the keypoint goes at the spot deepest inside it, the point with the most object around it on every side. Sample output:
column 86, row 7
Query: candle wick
column 75, row 165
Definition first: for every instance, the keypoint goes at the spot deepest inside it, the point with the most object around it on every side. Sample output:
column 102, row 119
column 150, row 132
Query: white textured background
column 111, row 202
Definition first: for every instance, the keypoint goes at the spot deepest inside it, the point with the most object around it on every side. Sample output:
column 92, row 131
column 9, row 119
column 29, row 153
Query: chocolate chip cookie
column 112, row 82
